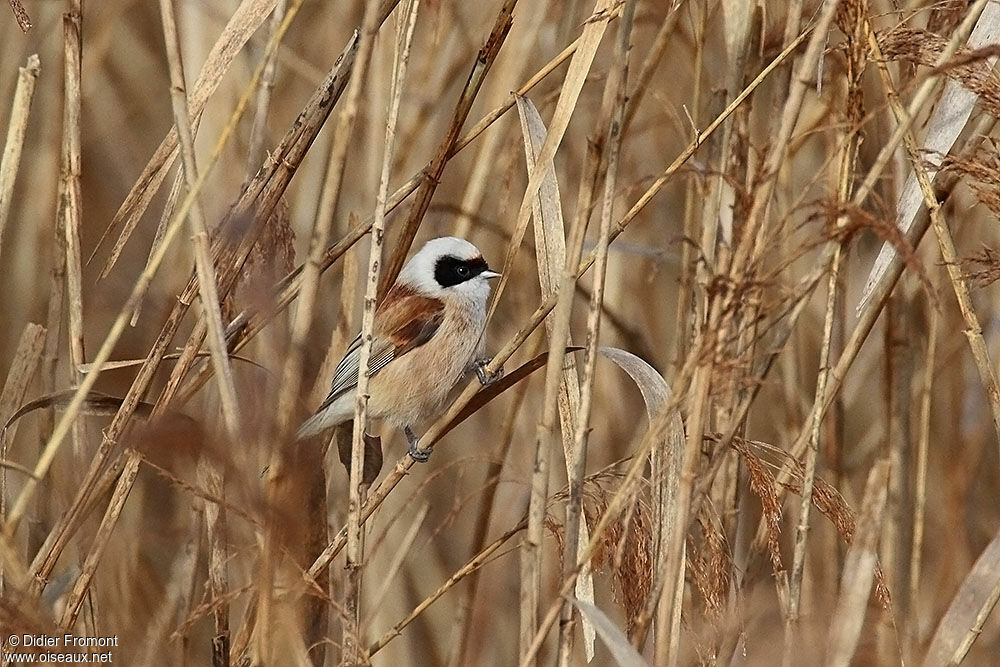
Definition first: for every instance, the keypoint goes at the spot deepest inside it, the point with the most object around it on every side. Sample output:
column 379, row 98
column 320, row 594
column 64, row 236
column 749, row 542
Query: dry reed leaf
column 576, row 76
column 95, row 404
column 859, row 569
column 665, row 458
column 623, row 653
column 550, row 250
column 949, row 117
column 244, row 22
column 962, row 624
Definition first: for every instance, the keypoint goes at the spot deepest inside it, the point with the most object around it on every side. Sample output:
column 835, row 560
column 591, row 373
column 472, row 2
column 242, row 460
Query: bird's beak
column 489, row 274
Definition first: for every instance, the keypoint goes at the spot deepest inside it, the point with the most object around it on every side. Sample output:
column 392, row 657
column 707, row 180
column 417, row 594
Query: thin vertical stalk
column 215, row 521
column 17, row 128
column 920, row 477
column 71, row 200
column 203, row 260
column 351, row 636
column 258, row 133
column 579, row 449
column 845, row 181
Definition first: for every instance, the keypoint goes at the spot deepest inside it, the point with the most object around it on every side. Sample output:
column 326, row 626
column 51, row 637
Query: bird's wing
column 403, row 322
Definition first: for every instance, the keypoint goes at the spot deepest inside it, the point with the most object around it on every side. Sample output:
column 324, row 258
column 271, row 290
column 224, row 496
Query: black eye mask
column 450, row 270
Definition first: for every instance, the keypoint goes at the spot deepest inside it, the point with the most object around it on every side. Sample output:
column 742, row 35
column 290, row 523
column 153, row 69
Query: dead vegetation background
column 748, row 162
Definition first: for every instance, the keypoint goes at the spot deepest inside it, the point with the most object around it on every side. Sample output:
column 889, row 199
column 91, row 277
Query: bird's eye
column 462, row 271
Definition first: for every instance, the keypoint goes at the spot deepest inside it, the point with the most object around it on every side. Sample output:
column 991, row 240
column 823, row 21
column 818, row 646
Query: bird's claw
column 417, row 453
column 486, row 379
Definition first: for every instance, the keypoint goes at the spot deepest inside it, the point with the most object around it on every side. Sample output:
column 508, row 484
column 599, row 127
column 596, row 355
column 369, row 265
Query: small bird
column 427, row 336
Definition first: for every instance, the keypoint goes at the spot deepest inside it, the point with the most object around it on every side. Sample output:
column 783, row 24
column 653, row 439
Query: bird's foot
column 417, row 453
column 486, row 379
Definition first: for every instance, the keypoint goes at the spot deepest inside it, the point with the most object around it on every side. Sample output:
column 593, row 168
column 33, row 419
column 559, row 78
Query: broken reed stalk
column 17, row 127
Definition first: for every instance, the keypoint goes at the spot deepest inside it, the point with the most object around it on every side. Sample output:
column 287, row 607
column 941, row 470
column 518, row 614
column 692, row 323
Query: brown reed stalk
column 352, row 632
column 17, row 127
column 577, row 463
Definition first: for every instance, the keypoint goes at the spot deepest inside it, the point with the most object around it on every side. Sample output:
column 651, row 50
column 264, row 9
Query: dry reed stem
column 859, row 570
column 846, row 177
column 352, row 650
column 207, row 287
column 561, row 388
column 577, row 465
column 70, row 200
column 20, row 108
column 920, row 471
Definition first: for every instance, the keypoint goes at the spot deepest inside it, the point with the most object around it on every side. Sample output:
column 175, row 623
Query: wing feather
column 403, row 322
